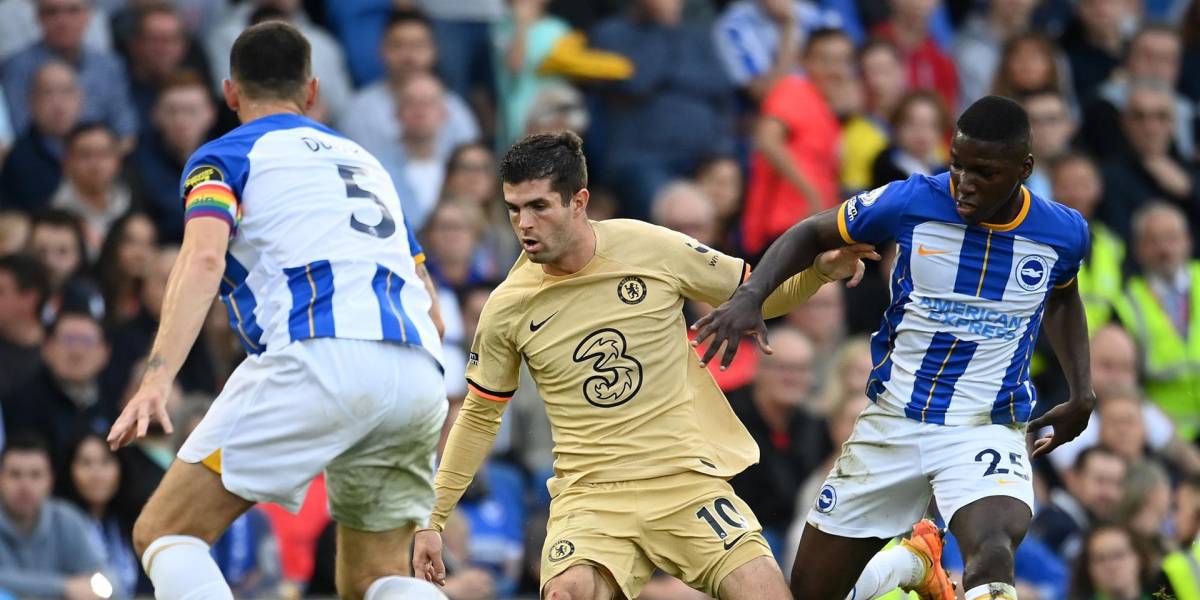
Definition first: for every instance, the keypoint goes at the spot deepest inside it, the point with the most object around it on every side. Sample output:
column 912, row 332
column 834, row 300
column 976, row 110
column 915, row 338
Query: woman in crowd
column 92, row 478
column 920, row 127
column 451, row 238
column 124, row 258
column 1031, row 63
column 1110, row 566
column 471, row 176
column 721, row 179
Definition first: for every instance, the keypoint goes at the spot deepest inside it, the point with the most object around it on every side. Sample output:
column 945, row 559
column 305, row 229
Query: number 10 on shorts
column 726, row 512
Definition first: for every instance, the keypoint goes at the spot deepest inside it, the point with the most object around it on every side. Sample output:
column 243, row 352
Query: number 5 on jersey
column 387, row 225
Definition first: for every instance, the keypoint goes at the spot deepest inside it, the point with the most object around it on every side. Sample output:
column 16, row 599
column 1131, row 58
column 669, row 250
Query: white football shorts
column 881, row 483
column 368, row 413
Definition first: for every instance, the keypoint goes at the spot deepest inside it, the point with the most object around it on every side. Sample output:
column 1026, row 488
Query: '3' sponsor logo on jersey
column 618, row 376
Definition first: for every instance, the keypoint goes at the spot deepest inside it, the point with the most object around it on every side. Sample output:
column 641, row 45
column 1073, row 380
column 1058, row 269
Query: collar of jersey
column 1011, row 225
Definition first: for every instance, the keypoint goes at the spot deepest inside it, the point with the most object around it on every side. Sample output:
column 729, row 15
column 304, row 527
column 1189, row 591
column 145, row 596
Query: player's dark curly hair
column 996, row 119
column 557, row 156
column 271, row 60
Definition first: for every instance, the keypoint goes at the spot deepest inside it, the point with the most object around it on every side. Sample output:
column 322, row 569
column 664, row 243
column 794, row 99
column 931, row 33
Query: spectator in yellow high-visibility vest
column 1160, row 307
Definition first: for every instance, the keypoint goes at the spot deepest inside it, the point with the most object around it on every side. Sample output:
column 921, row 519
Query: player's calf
column 172, row 535
column 989, row 531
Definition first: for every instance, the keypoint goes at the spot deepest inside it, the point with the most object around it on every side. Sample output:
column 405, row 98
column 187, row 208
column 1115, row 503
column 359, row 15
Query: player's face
column 543, row 224
column 986, row 175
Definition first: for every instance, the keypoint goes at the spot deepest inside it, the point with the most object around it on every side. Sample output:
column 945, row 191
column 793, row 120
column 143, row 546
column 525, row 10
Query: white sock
column 181, row 568
column 992, row 591
column 403, row 588
column 895, row 567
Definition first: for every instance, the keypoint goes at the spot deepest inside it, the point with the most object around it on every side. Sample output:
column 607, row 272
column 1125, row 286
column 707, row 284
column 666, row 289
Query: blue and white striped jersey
column 319, row 246
column 955, row 343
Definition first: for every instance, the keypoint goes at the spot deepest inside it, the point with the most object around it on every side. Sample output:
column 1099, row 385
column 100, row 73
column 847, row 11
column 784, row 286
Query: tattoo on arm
column 154, row 362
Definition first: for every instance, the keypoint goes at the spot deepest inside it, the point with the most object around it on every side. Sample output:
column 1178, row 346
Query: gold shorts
column 689, row 525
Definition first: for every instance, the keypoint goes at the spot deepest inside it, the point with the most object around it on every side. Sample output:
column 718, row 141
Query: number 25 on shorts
column 1015, row 467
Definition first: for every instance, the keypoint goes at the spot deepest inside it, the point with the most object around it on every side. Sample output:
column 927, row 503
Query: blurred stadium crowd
column 726, row 120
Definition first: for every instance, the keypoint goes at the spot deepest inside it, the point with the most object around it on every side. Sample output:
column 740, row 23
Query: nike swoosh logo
column 923, row 251
column 734, row 541
column 534, row 328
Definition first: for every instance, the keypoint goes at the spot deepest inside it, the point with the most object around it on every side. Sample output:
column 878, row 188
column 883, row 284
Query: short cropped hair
column 271, row 60
column 996, row 119
column 1081, row 461
column 28, row 274
column 82, row 129
column 25, row 441
column 822, row 34
column 74, row 313
column 557, row 156
column 406, row 16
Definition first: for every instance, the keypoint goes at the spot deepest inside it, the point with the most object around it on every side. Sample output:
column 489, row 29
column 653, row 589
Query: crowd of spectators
column 728, row 120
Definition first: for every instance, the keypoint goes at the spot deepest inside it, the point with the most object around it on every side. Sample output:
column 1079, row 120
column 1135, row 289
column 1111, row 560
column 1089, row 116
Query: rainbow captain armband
column 213, row 199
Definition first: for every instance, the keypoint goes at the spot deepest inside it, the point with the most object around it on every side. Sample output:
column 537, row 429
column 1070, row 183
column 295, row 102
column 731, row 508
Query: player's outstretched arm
column 1066, row 328
column 191, row 289
column 471, row 438
column 830, row 266
column 793, row 252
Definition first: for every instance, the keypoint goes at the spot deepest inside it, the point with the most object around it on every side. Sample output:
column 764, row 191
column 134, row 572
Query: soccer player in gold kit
column 644, row 439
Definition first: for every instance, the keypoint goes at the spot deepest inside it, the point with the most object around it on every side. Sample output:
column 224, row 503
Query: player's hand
column 147, row 405
column 427, row 557
column 846, row 262
column 1067, row 421
column 741, row 315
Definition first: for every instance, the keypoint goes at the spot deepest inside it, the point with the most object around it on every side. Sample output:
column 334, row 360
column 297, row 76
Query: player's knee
column 354, row 585
column 146, row 529
column 353, row 589
column 576, row 583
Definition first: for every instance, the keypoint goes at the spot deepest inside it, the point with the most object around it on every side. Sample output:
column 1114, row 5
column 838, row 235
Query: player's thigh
column 364, row 556
column 697, row 529
column 385, row 481
column 973, row 463
column 759, row 579
column 827, row 565
column 596, row 525
column 581, row 581
column 877, row 487
column 284, row 415
column 190, row 500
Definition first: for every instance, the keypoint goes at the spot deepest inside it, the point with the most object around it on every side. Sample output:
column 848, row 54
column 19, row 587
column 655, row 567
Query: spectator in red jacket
column 794, row 172
column 927, row 64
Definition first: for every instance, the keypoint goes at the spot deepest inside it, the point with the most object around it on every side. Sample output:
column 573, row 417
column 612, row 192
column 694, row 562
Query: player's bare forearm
column 191, row 288
column 1065, row 325
column 792, row 253
column 1066, row 329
